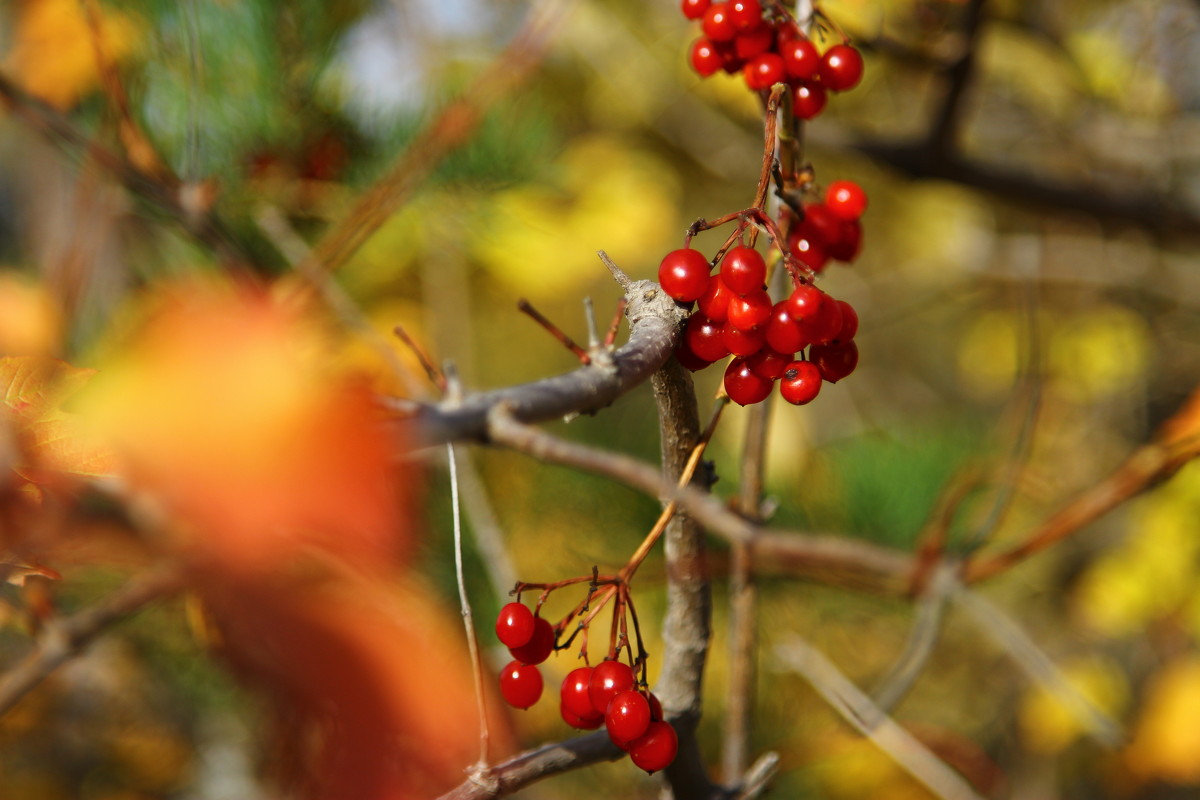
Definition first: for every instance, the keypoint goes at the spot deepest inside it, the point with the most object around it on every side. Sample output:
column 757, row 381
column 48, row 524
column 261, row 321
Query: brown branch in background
column 525, row 307
column 66, row 637
column 431, row 371
column 943, row 131
column 448, row 130
column 610, row 336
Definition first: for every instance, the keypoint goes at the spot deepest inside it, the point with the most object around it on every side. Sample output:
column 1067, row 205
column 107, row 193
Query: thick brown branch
column 532, row 766
column 653, row 329
column 67, row 637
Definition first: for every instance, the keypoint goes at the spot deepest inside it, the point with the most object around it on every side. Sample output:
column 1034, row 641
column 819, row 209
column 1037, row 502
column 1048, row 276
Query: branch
column 67, row 637
column 654, row 321
column 529, row 767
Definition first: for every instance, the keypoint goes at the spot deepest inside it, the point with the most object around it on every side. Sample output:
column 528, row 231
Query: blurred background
column 1028, row 295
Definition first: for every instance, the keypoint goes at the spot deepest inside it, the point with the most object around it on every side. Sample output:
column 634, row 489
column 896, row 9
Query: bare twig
column 858, row 710
column 531, row 766
column 66, row 638
column 525, row 307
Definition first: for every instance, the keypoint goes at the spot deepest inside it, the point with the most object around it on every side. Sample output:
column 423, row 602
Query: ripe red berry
column 743, row 386
column 784, row 334
column 766, row 363
column 834, row 361
column 803, row 304
column 742, row 342
column 750, row 311
column 520, row 684
column 751, row 43
column 694, row 9
column 656, row 748
column 849, row 242
column 743, row 270
column 573, row 696
column 745, row 14
column 609, row 679
column 706, row 59
column 825, row 326
column 627, row 717
column 514, row 625
column 717, row 24
column 846, row 200
column 683, row 274
column 808, row 100
column 656, row 710
column 807, row 249
column 690, row 361
column 849, row 327
column 801, row 60
column 714, row 303
column 763, row 71
column 581, row 723
column 841, row 68
column 704, row 338
column 540, row 645
column 800, row 383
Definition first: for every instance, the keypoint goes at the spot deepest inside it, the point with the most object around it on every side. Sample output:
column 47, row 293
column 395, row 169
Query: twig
column 858, row 710
column 431, row 371
column 931, row 607
column 448, row 130
column 618, row 314
column 525, row 307
column 485, row 528
column 758, row 777
column 67, row 637
column 529, row 767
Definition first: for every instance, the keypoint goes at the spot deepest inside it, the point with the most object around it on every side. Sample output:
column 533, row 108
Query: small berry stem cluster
column 767, row 46
column 614, row 693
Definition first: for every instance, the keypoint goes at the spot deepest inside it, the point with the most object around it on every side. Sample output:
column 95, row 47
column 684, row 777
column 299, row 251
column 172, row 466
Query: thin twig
column 67, row 637
column 525, row 307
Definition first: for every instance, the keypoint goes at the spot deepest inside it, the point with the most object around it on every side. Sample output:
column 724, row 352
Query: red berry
column 807, row 249
column 714, row 303
column 705, row 338
column 718, row 25
column 821, row 225
column 573, row 696
column 784, row 334
column 846, row 200
column 766, row 363
column 706, row 59
column 800, row 383
column 690, row 361
column 582, row 723
column 835, row 361
column 627, row 717
column 808, row 100
column 849, row 322
column 801, row 60
column 825, row 326
column 763, row 71
column 746, row 14
column 742, row 342
column 514, row 625
column 540, row 645
column 803, row 304
column 520, row 684
column 656, row 748
column 656, row 711
column 751, row 43
column 609, row 679
column 743, row 270
column 694, row 9
column 841, row 68
column 683, row 274
column 743, row 386
column 750, row 311
column 849, row 242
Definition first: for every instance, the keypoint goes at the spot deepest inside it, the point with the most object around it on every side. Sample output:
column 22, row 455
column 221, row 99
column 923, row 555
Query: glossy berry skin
column 717, row 24
column 801, row 61
column 849, row 242
column 514, row 625
column 807, row 249
column 834, row 361
column 784, row 334
column 748, row 44
column 808, row 100
column 656, row 709
column 766, row 363
column 690, row 361
column 750, row 311
column 705, row 338
column 540, row 645
column 743, row 386
column 841, row 68
column 714, row 303
column 849, row 327
column 573, row 695
column 804, row 303
column 581, row 723
column 846, row 200
column 683, row 274
column 656, row 748
column 705, row 57
column 743, row 270
column 763, row 71
column 609, row 679
column 742, row 342
column 801, row 383
column 627, row 718
column 694, row 9
column 746, row 15
column 827, row 324
column 520, row 684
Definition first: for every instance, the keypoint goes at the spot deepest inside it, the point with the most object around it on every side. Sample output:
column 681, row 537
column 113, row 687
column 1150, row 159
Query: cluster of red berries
column 770, row 49
column 830, row 229
column 607, row 694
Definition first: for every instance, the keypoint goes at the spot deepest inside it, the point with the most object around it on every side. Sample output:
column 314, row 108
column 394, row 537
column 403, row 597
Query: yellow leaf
column 1048, row 725
column 1167, row 739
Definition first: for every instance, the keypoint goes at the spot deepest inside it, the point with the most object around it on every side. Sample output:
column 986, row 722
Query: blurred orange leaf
column 52, row 441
